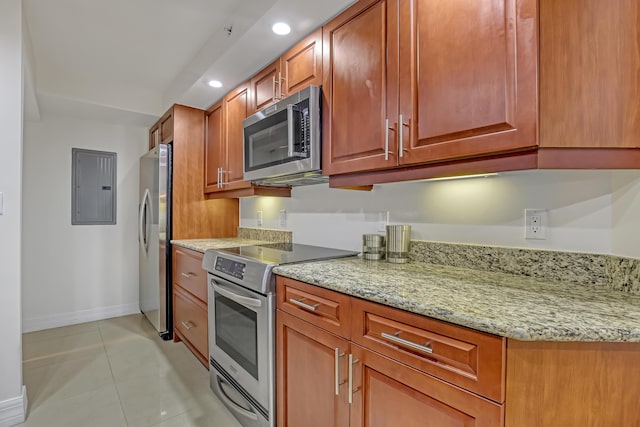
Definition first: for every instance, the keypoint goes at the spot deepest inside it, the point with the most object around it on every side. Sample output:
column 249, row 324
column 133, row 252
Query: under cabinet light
column 450, row 178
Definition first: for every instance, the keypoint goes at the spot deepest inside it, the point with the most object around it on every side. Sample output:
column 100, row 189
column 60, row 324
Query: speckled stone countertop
column 247, row 236
column 512, row 306
column 202, row 245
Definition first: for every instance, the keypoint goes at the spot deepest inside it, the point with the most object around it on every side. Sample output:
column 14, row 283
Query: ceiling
column 127, row 61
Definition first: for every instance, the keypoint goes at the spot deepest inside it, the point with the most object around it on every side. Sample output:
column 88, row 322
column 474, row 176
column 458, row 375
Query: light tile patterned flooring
column 116, row 372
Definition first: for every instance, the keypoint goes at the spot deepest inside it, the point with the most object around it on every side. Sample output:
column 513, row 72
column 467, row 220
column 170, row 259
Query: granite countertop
column 202, row 245
column 519, row 307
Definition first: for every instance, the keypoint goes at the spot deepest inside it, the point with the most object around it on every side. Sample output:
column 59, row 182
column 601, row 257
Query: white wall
column 12, row 399
column 589, row 211
column 77, row 273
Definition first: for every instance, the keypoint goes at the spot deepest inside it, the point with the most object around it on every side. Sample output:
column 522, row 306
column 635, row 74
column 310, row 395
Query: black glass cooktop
column 287, row 253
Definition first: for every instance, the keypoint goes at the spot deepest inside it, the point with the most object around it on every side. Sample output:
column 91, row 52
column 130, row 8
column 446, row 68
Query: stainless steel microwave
column 282, row 142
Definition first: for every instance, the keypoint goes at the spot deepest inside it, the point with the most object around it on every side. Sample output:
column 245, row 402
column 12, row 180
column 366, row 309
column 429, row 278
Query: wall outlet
column 259, row 218
column 283, row 218
column 383, row 220
column 535, row 224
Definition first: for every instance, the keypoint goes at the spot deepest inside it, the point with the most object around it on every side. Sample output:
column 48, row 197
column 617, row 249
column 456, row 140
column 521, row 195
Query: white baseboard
column 14, row 411
column 82, row 316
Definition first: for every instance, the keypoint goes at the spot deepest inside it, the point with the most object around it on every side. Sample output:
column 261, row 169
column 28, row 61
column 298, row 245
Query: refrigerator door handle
column 142, row 223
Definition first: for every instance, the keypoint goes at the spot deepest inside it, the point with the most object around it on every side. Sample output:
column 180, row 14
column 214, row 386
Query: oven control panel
column 230, row 267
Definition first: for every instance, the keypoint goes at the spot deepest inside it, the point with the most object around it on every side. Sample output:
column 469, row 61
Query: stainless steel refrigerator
column 154, row 235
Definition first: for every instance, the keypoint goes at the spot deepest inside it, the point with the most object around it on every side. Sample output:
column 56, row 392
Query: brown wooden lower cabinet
column 306, row 370
column 572, row 384
column 324, row 379
column 190, row 317
column 190, row 314
column 332, row 375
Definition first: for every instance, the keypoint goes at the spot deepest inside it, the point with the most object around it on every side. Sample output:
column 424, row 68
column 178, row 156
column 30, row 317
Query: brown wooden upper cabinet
column 223, row 147
column 193, row 216
column 154, row 136
column 417, row 81
column 265, row 87
column 162, row 131
column 589, row 83
column 166, row 127
column 224, row 170
column 299, row 67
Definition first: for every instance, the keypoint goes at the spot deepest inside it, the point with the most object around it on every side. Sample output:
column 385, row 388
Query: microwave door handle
column 291, row 110
column 246, row 301
column 291, row 129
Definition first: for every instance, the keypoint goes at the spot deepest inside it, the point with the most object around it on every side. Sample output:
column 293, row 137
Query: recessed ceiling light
column 281, row 28
column 215, row 83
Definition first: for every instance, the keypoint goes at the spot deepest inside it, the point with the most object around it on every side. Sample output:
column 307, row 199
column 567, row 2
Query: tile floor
column 116, row 372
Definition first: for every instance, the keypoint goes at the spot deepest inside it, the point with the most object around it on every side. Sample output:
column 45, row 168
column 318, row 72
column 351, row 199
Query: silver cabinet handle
column 351, row 389
column 393, row 338
column 188, row 325
column 337, row 357
column 401, row 126
column 303, row 305
column 280, row 79
column 221, row 173
column 400, row 141
column 273, row 92
column 386, row 139
column 188, row 275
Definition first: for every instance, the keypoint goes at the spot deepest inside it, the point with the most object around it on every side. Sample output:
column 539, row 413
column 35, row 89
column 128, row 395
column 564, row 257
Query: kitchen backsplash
column 617, row 273
column 271, row 235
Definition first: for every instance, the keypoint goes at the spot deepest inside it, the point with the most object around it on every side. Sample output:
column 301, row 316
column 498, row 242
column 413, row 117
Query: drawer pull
column 393, row 338
column 303, row 305
column 188, row 275
column 188, row 325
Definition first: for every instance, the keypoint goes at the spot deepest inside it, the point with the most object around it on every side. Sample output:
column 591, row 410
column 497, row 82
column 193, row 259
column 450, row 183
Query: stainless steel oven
column 242, row 324
column 241, row 349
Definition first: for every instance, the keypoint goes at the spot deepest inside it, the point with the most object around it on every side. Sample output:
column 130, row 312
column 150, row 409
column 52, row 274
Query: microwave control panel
column 230, row 267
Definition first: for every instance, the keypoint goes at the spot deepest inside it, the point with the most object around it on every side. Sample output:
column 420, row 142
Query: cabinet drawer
column 190, row 318
column 188, row 272
column 326, row 309
column 388, row 393
column 470, row 359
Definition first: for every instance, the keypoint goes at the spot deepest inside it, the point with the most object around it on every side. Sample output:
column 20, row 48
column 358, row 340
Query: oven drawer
column 326, row 309
column 188, row 272
column 191, row 317
column 467, row 358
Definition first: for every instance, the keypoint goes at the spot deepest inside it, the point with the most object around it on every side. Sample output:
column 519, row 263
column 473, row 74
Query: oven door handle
column 233, row 405
column 246, row 301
